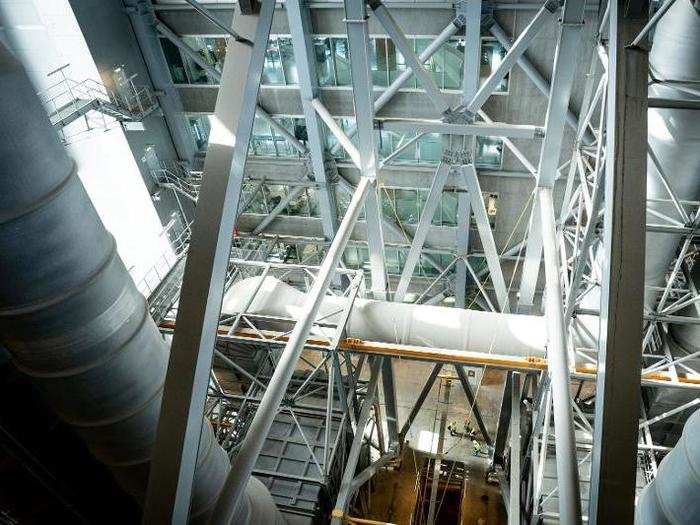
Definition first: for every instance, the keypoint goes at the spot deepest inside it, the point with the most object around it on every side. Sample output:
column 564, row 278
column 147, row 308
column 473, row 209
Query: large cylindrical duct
column 70, row 314
column 389, row 322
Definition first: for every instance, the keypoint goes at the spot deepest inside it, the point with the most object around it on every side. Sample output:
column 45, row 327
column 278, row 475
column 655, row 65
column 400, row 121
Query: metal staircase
column 68, row 100
column 178, row 178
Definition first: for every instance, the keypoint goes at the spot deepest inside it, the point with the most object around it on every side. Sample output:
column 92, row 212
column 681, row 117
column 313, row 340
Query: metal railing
column 69, row 99
column 178, row 178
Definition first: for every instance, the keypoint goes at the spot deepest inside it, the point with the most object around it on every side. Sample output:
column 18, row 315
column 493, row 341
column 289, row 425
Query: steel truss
column 306, row 369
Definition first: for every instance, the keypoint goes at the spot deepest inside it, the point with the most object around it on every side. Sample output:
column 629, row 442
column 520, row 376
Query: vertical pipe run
column 567, row 467
column 242, row 465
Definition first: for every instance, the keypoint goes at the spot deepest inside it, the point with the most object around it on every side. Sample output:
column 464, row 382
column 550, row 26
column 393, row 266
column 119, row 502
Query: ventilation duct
column 71, row 316
column 410, row 324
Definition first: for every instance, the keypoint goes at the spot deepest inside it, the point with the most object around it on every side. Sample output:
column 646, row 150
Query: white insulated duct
column 402, row 323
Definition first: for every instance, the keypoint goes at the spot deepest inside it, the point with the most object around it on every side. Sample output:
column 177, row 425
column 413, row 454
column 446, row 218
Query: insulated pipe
column 400, row 323
column 70, row 315
column 231, row 497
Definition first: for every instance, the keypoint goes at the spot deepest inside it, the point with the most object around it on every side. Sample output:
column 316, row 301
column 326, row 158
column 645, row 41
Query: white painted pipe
column 402, row 323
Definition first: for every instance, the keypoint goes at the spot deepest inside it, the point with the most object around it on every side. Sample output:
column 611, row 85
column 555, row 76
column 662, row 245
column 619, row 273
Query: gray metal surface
column 74, row 321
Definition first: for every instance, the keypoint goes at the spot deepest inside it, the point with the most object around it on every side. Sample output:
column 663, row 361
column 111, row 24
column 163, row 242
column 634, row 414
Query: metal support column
column 567, row 465
column 562, row 82
column 515, row 453
column 532, row 73
column 242, row 466
column 143, row 21
column 435, row 483
column 299, row 19
column 187, row 377
column 617, row 404
column 421, row 399
column 486, row 236
column 358, row 44
column 540, row 20
column 471, row 399
column 432, row 201
column 345, row 491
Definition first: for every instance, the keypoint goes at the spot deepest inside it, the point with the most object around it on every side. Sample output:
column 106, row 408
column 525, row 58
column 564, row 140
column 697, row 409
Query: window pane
column 289, row 64
column 396, row 64
column 449, row 208
column 273, row 74
column 342, row 61
column 175, row 62
column 406, row 205
column 454, row 54
column 378, row 61
column 430, row 148
column 492, row 54
column 489, row 152
column 200, row 127
column 324, row 61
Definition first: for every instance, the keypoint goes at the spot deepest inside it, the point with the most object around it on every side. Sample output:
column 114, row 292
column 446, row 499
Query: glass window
column 406, row 205
column 341, row 57
column 289, row 65
column 323, row 52
column 200, row 127
column 430, row 149
column 448, row 205
column 489, row 152
column 492, row 54
column 273, row 73
column 262, row 141
column 454, row 59
column 391, row 256
column 379, row 61
column 175, row 62
column 435, row 64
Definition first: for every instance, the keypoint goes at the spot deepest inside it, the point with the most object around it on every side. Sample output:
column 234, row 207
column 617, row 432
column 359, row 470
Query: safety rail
column 174, row 176
column 68, row 100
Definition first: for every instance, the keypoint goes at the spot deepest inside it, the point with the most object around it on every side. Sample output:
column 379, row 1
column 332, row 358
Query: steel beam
column 471, row 65
column 421, row 399
column 187, row 377
column 450, row 30
column 462, row 248
column 254, row 439
column 432, row 201
column 541, row 19
column 493, row 129
column 281, row 205
column 567, row 467
column 503, row 421
column 471, row 399
column 532, row 73
column 514, row 512
column 486, row 236
column 299, row 19
column 346, row 483
column 615, row 429
column 143, row 20
column 560, row 91
column 397, row 36
column 358, row 45
column 432, row 505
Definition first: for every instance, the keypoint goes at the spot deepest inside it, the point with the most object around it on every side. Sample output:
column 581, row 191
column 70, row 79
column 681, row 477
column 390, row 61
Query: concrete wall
column 110, row 37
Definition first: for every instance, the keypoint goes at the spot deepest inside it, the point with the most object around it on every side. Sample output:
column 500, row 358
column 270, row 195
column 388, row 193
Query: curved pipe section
column 71, row 316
